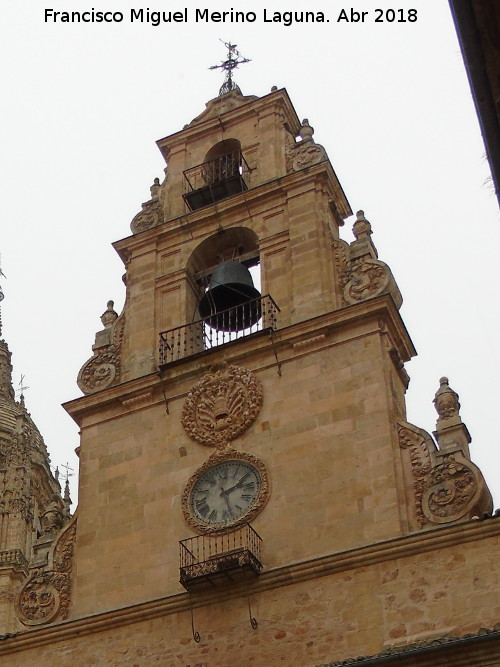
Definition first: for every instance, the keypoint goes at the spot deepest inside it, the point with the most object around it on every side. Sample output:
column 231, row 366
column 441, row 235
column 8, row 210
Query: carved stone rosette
column 150, row 216
column 222, row 405
column 221, row 457
column 46, row 595
column 103, row 369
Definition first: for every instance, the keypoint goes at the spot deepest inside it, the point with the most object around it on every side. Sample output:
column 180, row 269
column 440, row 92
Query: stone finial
column 154, row 189
column 446, row 401
column 109, row 316
column 362, row 227
column 451, row 433
column 306, row 131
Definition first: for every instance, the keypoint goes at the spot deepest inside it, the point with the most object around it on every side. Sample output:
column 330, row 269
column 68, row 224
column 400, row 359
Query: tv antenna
column 69, row 471
column 234, row 58
column 21, row 388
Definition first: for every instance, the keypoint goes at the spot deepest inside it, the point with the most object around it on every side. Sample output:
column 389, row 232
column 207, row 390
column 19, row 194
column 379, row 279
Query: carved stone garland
column 222, row 405
column 47, row 594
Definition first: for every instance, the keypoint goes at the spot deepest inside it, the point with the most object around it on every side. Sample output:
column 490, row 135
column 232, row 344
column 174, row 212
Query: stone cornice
column 202, row 126
column 234, row 207
column 303, row 337
column 397, row 548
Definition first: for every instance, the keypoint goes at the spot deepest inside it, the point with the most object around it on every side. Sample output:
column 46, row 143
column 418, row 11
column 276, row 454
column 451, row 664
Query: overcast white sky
column 82, row 106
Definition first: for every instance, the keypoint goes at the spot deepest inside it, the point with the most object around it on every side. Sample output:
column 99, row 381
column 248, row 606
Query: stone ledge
column 396, row 548
column 431, row 653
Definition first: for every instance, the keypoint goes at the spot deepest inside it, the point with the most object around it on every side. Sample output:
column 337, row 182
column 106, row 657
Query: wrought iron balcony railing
column 218, row 329
column 209, row 559
column 216, row 179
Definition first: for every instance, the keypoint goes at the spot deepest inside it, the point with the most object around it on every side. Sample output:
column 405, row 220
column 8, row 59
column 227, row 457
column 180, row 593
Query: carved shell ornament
column 222, row 405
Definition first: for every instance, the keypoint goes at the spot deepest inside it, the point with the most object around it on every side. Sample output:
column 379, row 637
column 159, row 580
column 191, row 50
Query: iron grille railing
column 218, row 329
column 210, row 556
column 216, row 179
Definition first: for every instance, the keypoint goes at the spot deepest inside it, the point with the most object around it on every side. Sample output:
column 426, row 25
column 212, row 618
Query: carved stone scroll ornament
column 103, row 369
column 303, row 154
column 414, row 440
column 150, row 216
column 451, row 488
column 46, row 595
column 447, row 487
column 367, row 278
column 222, row 405
column 340, row 255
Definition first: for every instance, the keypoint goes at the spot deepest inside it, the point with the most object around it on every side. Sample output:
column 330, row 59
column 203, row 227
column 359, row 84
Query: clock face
column 225, row 494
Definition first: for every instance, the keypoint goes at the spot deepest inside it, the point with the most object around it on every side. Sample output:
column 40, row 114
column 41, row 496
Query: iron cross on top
column 234, row 58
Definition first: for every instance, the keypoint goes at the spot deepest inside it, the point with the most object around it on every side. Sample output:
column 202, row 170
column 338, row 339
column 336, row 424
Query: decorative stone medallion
column 222, row 405
column 451, row 489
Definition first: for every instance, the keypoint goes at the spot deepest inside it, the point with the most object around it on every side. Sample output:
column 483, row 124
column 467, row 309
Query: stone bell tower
column 250, row 489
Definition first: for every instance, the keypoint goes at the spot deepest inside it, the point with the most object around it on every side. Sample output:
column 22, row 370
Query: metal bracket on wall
column 278, row 363
column 253, row 621
column 163, row 391
column 196, row 634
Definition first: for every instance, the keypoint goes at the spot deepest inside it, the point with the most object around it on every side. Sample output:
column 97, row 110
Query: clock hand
column 227, row 502
column 235, row 486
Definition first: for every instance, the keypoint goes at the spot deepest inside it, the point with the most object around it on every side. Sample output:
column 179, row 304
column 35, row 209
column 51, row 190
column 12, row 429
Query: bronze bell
column 231, row 303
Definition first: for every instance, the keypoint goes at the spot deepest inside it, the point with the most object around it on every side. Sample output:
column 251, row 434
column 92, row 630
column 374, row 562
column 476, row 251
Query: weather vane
column 234, row 58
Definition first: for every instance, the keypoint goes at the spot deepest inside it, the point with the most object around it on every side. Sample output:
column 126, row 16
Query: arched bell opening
column 222, row 174
column 227, row 298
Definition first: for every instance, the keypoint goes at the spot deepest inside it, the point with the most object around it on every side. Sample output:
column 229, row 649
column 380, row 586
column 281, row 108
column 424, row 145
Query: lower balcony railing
column 219, row 557
column 218, row 329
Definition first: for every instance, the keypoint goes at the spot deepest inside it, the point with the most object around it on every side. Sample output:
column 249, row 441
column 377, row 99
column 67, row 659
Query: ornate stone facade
column 370, row 537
